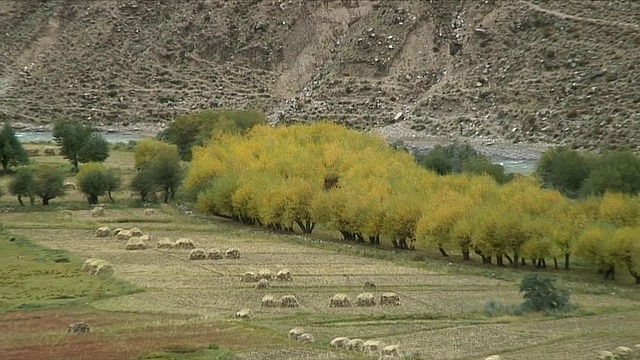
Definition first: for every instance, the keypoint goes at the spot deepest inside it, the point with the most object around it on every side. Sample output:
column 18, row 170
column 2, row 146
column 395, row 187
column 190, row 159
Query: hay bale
column 264, row 274
column 284, row 275
column 295, row 333
column 164, row 243
column 306, row 338
column 249, row 276
column 340, row 300
column 369, row 285
column 372, row 346
column 392, row 350
column 215, row 254
column 622, row 353
column 97, row 267
column 389, row 299
column 366, row 299
column 269, row 301
column 124, row 235
column 198, row 254
column 48, row 151
column 145, row 238
column 79, row 327
column 262, row 284
column 135, row 243
column 102, row 231
column 355, row 345
column 117, row 231
column 604, row 355
column 184, row 244
column 244, row 314
column 289, row 301
column 149, row 212
column 636, row 348
column 339, row 342
column 135, row 231
column 33, row 152
column 69, row 186
column 232, row 254
column 97, row 211
column 67, row 213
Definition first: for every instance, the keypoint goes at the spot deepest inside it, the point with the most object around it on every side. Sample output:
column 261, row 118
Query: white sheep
column 244, row 314
column 295, row 333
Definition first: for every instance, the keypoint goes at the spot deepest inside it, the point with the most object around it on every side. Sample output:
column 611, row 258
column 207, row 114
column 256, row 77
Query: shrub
column 541, row 294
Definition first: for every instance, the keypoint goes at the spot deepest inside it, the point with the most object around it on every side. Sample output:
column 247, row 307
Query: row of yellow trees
column 303, row 175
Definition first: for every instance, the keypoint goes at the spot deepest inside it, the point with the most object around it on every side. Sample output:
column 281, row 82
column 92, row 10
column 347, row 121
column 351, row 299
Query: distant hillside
column 565, row 72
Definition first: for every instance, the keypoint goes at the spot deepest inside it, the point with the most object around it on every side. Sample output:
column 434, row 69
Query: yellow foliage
column 147, row 149
column 619, row 209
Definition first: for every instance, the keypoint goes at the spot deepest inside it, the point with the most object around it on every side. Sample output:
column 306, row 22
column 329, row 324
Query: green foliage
column 23, row 184
column 78, row 143
column 615, row 171
column 159, row 168
column 148, row 149
column 481, row 165
column 95, row 180
column 11, row 151
column 563, row 169
column 196, row 129
column 447, row 159
column 541, row 294
column 144, row 184
column 49, row 183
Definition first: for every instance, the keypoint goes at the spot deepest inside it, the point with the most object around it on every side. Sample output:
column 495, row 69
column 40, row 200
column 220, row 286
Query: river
column 513, row 166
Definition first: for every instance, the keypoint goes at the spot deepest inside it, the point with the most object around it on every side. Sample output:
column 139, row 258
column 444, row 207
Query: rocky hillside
column 526, row 71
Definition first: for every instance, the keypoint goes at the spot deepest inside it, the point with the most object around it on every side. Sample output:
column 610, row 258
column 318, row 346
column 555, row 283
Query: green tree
column 143, row 182
column 49, row 183
column 11, row 151
column 447, row 159
column 93, row 180
column 23, row 184
column 481, row 165
column 595, row 247
column 148, row 149
column 563, row 169
column 166, row 172
column 541, row 294
column 78, row 143
column 614, row 171
column 113, row 183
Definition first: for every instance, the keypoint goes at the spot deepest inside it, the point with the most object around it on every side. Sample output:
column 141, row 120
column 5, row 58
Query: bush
column 563, row 169
column 541, row 294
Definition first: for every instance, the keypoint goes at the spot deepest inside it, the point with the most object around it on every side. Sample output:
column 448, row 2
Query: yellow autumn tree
column 595, row 247
column 625, row 248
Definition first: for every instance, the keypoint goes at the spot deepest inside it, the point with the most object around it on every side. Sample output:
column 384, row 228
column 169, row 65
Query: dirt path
column 579, row 18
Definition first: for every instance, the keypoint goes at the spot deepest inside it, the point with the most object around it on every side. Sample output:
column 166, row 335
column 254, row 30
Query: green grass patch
column 212, row 352
column 36, row 277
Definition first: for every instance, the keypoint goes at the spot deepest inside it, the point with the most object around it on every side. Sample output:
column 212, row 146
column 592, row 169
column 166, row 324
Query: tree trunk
column 5, row 166
column 610, row 273
column 110, row 197
column 523, row 261
column 20, row 200
column 346, row 235
column 566, row 261
column 509, row 259
column 75, row 164
column 403, row 244
column 499, row 260
column 92, row 199
column 359, row 238
column 443, row 252
column 516, row 261
column 45, row 201
column 465, row 255
column 555, row 263
column 166, row 195
column 32, row 200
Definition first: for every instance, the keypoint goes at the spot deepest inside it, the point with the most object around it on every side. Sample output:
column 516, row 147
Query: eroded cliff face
column 565, row 72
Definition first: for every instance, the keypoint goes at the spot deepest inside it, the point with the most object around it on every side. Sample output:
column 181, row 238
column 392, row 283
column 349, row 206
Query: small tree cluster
column 11, row 151
column 96, row 180
column 44, row 181
column 79, row 143
column 541, row 294
column 159, row 169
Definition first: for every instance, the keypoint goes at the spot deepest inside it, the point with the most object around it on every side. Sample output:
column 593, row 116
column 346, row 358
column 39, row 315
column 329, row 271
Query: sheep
column 622, row 352
column 197, row 254
column 372, row 346
column 102, row 231
column 79, row 327
column 394, row 350
column 340, row 300
column 249, row 276
column 284, row 275
column 289, row 301
column 67, row 213
column 69, row 186
column 149, row 212
column 306, row 338
column 339, row 342
column 135, row 231
column 369, row 285
column 268, row 301
column 135, row 243
column 262, row 284
column 232, row 254
column 366, row 299
column 389, row 298
column 355, row 345
column 244, row 314
column 215, row 254
column 97, row 211
column 124, row 235
column 184, row 244
column 97, row 267
column 295, row 333
column 264, row 274
column 164, row 244
column 603, row 355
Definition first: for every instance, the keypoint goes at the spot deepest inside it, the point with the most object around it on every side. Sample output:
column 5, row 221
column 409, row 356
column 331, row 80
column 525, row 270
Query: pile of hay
column 232, row 254
column 366, row 299
column 369, row 285
column 306, row 338
column 262, row 284
column 49, row 151
column 289, row 301
column 198, row 254
column 389, row 299
column 69, row 186
column 339, row 342
column 135, row 231
column 102, row 231
column 295, row 333
column 264, row 274
column 164, row 243
column 149, row 212
column 269, row 301
column 79, row 327
column 33, row 152
column 621, row 353
column 249, row 276
column 123, row 234
column 284, row 275
column 392, row 350
column 244, row 314
column 340, row 300
column 184, row 244
column 97, row 267
column 215, row 254
column 136, row 243
column 117, row 231
column 97, row 211
column 355, row 345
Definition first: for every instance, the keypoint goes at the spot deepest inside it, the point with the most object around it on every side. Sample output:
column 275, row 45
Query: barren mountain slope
column 528, row 71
